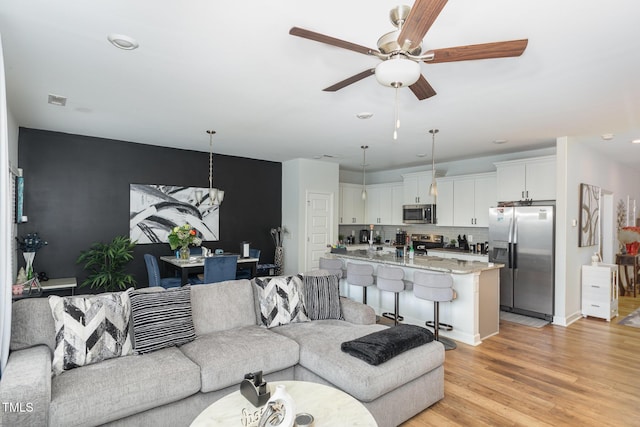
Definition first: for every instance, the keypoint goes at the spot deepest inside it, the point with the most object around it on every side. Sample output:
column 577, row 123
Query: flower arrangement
column 630, row 237
column 31, row 242
column 183, row 236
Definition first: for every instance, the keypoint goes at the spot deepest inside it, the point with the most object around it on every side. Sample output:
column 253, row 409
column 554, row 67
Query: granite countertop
column 449, row 265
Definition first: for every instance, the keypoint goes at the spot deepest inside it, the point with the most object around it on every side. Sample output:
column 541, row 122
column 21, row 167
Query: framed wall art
column 589, row 234
column 155, row 209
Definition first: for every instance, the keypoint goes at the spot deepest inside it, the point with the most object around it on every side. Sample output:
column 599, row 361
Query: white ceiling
column 232, row 66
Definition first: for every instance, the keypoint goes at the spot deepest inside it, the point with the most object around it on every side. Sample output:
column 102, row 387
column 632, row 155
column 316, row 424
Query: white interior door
column 319, row 226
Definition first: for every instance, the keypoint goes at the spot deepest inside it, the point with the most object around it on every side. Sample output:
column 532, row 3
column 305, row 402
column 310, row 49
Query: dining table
column 195, row 265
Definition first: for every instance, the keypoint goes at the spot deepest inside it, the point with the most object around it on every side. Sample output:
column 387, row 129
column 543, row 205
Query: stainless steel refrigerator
column 523, row 239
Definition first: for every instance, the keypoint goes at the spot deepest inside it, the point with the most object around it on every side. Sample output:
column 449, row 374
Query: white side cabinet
column 527, row 179
column 600, row 291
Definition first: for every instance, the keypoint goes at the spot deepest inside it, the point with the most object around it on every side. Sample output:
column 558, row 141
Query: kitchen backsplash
column 388, row 232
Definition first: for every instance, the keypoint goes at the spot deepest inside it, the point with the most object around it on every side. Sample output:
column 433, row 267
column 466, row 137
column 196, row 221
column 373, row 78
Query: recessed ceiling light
column 421, row 155
column 607, row 136
column 364, row 115
column 122, row 42
column 635, row 141
column 500, row 141
column 58, row 100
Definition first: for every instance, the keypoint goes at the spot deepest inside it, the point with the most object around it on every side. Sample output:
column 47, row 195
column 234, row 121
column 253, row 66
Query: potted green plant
column 106, row 264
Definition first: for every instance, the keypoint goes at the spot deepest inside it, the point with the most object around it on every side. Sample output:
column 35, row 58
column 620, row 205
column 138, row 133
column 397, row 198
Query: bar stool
column 360, row 275
column 390, row 279
column 435, row 287
column 332, row 265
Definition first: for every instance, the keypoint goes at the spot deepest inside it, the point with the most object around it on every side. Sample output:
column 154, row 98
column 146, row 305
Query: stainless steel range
column 423, row 242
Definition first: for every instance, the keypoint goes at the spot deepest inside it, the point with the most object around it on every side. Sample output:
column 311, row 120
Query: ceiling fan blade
column 421, row 17
column 422, row 89
column 350, row 80
column 479, row 51
column 307, row 34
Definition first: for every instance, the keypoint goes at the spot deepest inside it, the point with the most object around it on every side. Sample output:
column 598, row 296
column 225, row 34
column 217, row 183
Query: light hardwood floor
column 587, row 374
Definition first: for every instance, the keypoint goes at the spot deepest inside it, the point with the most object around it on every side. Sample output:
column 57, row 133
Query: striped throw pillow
column 161, row 319
column 322, row 297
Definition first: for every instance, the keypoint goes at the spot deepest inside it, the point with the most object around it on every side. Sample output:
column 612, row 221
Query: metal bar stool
column 436, row 287
column 360, row 275
column 332, row 265
column 390, row 279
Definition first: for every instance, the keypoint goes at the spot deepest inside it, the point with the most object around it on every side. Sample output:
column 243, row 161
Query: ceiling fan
column 401, row 50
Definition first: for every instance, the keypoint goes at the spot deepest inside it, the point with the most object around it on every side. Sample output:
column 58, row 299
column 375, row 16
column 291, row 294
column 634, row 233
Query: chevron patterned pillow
column 281, row 300
column 90, row 329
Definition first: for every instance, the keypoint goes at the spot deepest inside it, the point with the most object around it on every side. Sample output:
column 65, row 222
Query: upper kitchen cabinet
column 384, row 204
column 416, row 188
column 464, row 201
column 527, row 179
column 351, row 204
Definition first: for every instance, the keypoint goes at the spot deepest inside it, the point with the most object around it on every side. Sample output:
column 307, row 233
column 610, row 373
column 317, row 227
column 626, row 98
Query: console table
column 51, row 285
column 626, row 261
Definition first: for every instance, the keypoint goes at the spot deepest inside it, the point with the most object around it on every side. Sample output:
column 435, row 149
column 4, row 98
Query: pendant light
column 433, row 188
column 215, row 196
column 364, row 171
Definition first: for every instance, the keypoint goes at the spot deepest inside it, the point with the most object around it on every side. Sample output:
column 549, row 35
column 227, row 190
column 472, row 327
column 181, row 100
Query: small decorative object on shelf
column 254, row 389
column 29, row 245
column 183, row 236
column 280, row 409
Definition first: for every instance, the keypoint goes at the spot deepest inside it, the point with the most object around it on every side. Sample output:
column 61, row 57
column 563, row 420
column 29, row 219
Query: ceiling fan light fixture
column 398, row 72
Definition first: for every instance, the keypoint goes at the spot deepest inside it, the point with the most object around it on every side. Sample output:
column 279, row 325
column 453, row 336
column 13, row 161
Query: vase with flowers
column 29, row 245
column 630, row 238
column 183, row 236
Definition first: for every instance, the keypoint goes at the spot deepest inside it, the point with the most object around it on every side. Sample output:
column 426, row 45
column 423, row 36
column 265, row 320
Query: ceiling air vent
column 60, row 101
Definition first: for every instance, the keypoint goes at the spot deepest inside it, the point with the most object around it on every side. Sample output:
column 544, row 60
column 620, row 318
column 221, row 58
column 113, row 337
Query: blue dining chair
column 218, row 269
column 153, row 271
column 245, row 273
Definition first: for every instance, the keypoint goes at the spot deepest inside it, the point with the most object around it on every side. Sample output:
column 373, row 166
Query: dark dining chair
column 218, row 268
column 153, row 271
column 245, row 273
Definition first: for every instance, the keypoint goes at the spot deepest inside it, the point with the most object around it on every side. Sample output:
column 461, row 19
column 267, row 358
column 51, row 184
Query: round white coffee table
column 327, row 405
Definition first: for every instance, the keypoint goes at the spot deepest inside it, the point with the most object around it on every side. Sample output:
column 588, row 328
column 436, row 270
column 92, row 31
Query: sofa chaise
column 171, row 386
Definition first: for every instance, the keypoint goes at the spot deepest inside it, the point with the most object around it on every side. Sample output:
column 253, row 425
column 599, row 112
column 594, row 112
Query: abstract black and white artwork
column 156, row 209
column 589, row 215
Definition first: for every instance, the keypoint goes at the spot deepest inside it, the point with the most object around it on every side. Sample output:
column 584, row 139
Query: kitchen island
column 474, row 314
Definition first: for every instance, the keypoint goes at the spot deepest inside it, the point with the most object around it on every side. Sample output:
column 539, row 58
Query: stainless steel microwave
column 419, row 214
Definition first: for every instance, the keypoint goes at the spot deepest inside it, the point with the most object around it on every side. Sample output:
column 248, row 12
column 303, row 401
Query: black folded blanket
column 380, row 346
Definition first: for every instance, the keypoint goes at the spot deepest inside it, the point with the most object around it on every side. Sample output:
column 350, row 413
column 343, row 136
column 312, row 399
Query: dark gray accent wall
column 77, row 193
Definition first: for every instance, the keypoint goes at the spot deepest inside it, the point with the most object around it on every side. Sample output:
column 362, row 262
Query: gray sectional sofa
column 171, row 386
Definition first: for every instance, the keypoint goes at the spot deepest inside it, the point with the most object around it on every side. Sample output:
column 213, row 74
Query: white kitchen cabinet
column 397, row 200
column 416, row 188
column 352, row 207
column 378, row 206
column 444, row 202
column 527, row 179
column 600, row 291
column 384, row 204
column 464, row 201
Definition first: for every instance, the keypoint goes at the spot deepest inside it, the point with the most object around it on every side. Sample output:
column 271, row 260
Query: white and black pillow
column 161, row 319
column 90, row 329
column 280, row 299
column 322, row 297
